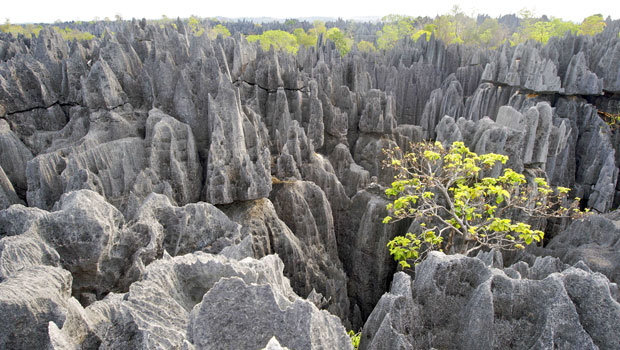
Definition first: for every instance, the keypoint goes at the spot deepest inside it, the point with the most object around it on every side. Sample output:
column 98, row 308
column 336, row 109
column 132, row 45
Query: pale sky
column 50, row 11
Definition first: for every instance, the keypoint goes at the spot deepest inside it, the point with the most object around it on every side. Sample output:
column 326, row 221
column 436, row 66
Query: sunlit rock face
column 163, row 190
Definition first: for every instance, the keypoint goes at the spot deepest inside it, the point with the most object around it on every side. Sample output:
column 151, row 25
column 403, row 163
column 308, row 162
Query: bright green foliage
column 30, row 30
column 559, row 27
column 541, row 30
column 387, row 37
column 303, row 38
column 397, row 27
column 70, row 34
column 217, row 30
column 165, row 20
column 195, row 26
column 355, row 339
column 592, row 25
column 27, row 30
column 450, row 27
column 366, row 46
column 318, row 29
column 279, row 39
column 343, row 44
column 456, row 27
column 459, row 210
column 428, row 30
column 612, row 119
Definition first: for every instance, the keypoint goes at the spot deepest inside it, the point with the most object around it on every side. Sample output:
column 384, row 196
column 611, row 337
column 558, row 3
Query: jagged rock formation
column 182, row 289
column 126, row 161
column 456, row 302
column 598, row 249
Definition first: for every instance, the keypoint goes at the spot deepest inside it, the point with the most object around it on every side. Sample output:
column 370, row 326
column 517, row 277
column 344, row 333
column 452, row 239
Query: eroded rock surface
column 456, row 302
column 142, row 171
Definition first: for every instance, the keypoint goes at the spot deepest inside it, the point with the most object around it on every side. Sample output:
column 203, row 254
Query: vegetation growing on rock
column 458, row 209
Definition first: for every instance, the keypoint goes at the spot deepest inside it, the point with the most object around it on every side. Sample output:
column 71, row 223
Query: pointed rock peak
column 101, row 88
column 509, row 117
column 108, row 37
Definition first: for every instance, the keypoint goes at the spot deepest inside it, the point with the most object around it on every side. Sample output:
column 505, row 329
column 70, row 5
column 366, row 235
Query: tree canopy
column 279, row 39
column 453, row 27
column 457, row 209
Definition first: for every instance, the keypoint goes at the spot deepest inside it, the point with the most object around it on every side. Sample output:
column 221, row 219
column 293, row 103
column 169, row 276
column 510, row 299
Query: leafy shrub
column 445, row 192
column 355, row 339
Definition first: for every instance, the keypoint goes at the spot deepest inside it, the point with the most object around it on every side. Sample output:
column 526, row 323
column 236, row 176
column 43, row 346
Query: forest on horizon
column 456, row 27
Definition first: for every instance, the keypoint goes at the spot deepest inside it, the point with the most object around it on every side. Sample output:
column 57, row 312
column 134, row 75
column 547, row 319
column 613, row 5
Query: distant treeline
column 454, row 27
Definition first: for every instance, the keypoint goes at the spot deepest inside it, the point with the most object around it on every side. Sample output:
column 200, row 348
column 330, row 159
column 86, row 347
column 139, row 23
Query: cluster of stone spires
column 128, row 154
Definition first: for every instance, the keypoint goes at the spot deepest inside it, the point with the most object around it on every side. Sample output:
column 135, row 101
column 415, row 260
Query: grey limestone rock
column 30, row 300
column 174, row 155
column 25, row 250
column 362, row 239
column 447, row 100
column 594, row 240
column 13, row 157
column 73, row 68
column 486, row 101
column 304, row 208
column 85, row 231
column 392, row 320
column 456, row 302
column 101, row 88
column 607, row 69
column 352, row 176
column 579, row 80
column 50, row 49
column 261, row 312
column 270, row 235
column 7, row 192
column 407, row 134
column 36, row 127
column 239, row 160
column 527, row 139
column 181, row 284
column 368, row 153
column 469, row 77
column 448, row 131
column 25, row 84
column 85, row 235
column 316, row 127
column 111, row 160
column 594, row 172
column 274, row 344
column 298, row 160
column 523, row 67
column 193, row 227
column 377, row 115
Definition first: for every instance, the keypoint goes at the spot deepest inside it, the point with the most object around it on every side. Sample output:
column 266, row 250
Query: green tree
column 395, row 28
column 446, row 28
column 560, row 27
column 525, row 27
column 592, row 25
column 355, row 339
column 387, row 37
column 318, row 29
column 195, row 26
column 366, row 46
column 343, row 44
column 303, row 38
column 489, row 32
column 541, row 31
column 217, row 30
column 457, row 209
column 279, row 39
